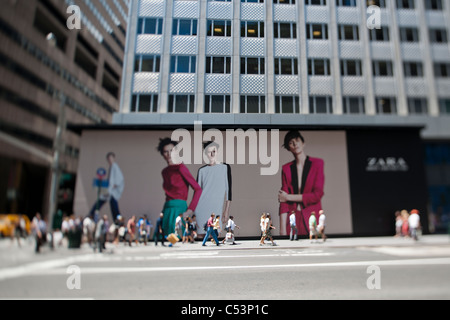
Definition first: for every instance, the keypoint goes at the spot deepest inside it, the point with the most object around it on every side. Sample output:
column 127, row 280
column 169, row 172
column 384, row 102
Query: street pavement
column 340, row 268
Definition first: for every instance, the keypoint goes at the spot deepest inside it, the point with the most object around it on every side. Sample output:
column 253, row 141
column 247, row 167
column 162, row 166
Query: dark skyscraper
column 53, row 73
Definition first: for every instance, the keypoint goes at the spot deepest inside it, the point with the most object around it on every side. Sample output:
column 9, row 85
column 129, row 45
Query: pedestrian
column 321, row 225
column 159, row 231
column 89, row 230
column 262, row 225
column 312, row 226
column 121, row 230
column 40, row 231
column 115, row 189
column 405, row 225
column 142, row 230
column 131, row 229
column 210, row 230
column 268, row 229
column 398, row 224
column 414, row 224
column 100, row 233
column 216, row 227
column 293, row 224
column 194, row 226
column 179, row 226
column 187, row 235
column 19, row 229
column 231, row 225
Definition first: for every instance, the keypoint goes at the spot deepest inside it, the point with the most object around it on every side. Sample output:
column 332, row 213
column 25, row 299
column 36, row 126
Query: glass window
column 181, row 103
column 184, row 27
column 217, row 104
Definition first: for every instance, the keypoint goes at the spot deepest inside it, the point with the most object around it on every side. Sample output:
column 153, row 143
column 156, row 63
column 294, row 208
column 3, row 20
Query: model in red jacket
column 302, row 185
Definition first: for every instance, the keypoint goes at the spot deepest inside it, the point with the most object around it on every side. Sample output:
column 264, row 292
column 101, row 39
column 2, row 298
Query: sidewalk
column 12, row 255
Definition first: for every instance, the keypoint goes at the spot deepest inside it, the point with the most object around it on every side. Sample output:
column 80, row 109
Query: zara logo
column 386, row 164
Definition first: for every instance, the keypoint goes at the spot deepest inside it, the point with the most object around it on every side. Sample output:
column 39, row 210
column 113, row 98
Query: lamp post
column 58, row 144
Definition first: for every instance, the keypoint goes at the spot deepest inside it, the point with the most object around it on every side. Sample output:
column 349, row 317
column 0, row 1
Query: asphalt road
column 290, row 271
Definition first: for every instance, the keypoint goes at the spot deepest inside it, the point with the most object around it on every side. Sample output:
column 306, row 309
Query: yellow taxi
column 9, row 221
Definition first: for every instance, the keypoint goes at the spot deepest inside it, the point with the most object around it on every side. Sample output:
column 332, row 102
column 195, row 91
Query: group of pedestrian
column 266, row 228
column 407, row 224
column 315, row 228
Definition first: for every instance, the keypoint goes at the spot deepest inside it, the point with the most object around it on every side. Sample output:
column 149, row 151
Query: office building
column 53, row 75
column 378, row 66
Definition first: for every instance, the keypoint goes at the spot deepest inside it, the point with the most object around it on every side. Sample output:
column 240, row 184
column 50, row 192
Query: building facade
column 366, row 82
column 300, row 63
column 53, row 75
column 316, row 61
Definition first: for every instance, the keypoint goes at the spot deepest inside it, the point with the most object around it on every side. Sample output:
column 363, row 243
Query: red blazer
column 313, row 180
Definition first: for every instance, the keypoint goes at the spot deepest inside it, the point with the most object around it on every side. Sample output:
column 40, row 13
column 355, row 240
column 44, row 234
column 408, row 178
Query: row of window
column 283, row 104
column 284, row 66
column 284, row 30
column 400, row 4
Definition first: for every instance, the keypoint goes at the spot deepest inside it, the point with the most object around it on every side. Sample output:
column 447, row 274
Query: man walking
column 210, row 230
column 159, row 231
column 231, row 225
column 312, row 226
column 292, row 222
column 414, row 223
column 321, row 225
column 100, row 233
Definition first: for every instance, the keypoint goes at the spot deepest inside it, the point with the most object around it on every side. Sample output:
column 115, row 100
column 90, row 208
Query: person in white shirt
column 179, row 226
column 292, row 222
column 116, row 185
column 321, row 226
column 268, row 230
column 231, row 225
column 414, row 223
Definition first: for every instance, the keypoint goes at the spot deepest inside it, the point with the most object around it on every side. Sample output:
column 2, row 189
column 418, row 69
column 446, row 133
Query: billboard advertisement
column 246, row 173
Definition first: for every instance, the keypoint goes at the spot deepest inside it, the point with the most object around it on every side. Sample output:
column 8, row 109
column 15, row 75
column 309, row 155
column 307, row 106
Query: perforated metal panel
column 385, row 17
column 149, row 44
column 353, row 86
column 252, row 47
column 221, row 46
column 317, row 14
column 285, row 48
column 152, row 8
column 182, row 83
column 321, row 85
column 184, row 45
column 443, row 88
column 381, row 50
column 351, row 49
column 286, row 84
column 220, row 10
column 186, row 9
column 285, row 13
column 411, row 51
column 385, row 86
column 416, row 87
column 440, row 52
column 218, row 84
column 348, row 15
column 407, row 18
column 252, row 84
column 252, row 11
column 435, row 19
column 146, row 82
column 319, row 48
